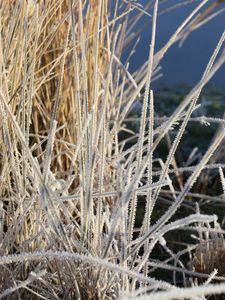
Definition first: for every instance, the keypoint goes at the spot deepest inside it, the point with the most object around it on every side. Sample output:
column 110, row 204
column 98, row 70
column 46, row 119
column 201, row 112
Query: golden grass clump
column 40, row 68
column 210, row 255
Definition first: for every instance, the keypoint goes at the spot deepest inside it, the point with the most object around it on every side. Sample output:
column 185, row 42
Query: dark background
column 182, row 65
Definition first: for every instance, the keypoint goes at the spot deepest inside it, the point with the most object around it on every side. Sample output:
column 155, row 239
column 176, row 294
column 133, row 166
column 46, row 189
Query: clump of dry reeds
column 70, row 185
column 210, row 255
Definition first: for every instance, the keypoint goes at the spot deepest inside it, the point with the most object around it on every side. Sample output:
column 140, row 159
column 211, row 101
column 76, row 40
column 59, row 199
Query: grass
column 88, row 209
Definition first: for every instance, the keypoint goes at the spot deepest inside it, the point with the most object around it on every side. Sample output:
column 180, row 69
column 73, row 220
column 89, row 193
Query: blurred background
column 186, row 64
